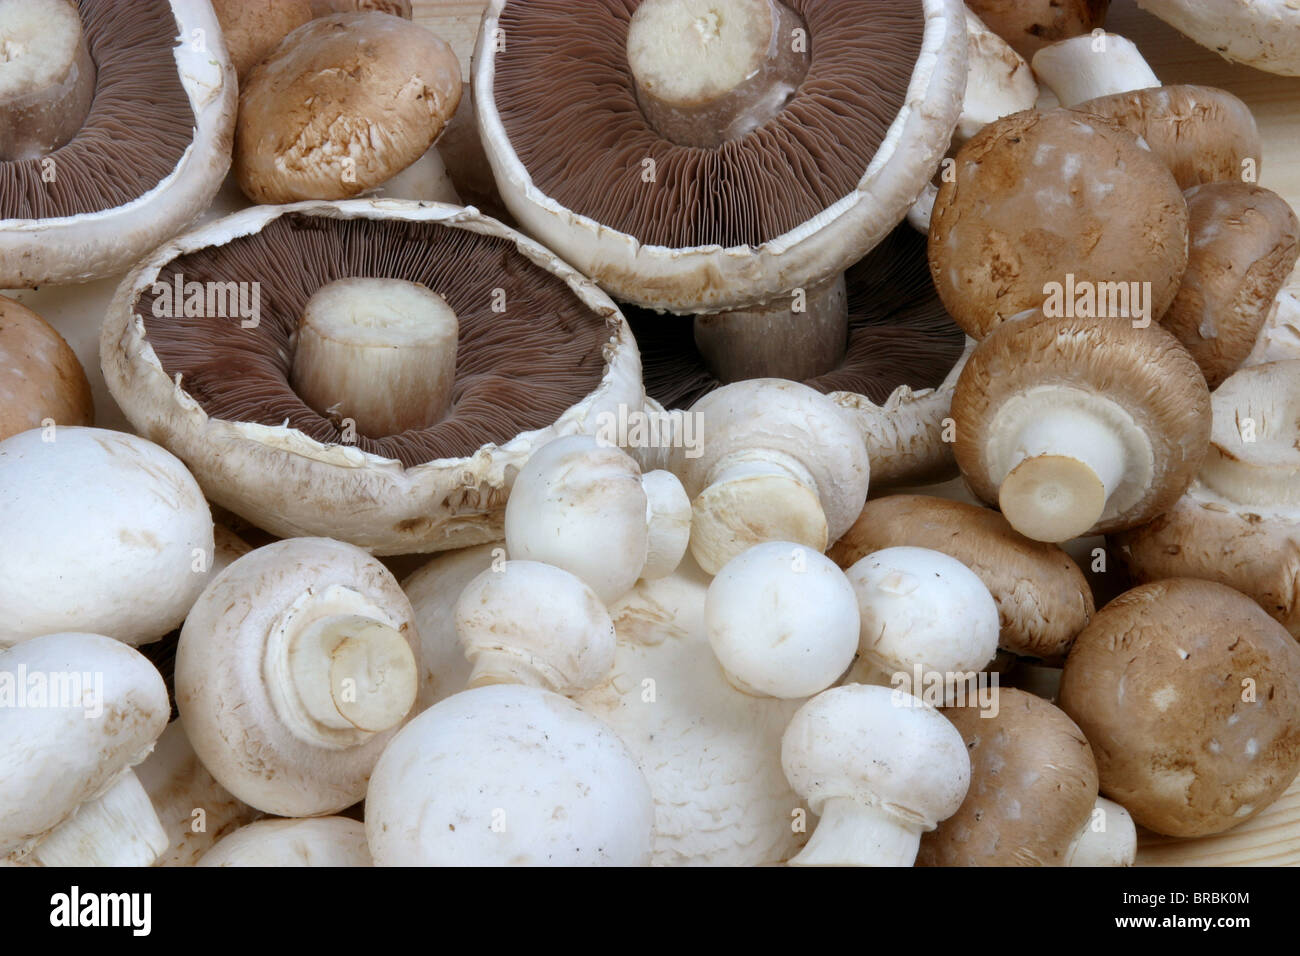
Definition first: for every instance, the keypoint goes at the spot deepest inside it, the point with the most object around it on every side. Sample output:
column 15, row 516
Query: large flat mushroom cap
column 150, row 157
column 1264, row 34
column 558, row 358
column 1190, row 696
column 749, row 221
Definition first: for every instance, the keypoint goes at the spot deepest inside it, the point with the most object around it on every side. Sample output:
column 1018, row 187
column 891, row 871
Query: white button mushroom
column 1108, row 839
column 102, row 532
column 880, row 767
column 507, row 775
column 530, row 623
column 585, row 507
column 324, row 841
column 782, row 620
column 80, row 710
column 922, row 613
column 294, row 668
column 781, row 462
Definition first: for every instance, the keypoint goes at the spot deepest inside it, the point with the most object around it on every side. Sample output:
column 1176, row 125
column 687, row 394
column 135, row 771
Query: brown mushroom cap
column 1030, row 25
column 40, row 377
column 1203, row 134
column 253, row 28
column 1144, row 371
column 1190, row 696
column 343, row 104
column 1244, row 243
column 396, row 8
column 1038, row 196
column 1032, row 789
column 1043, row 598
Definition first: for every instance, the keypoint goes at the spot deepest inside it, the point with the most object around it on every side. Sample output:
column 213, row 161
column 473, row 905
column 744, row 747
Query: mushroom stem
column 381, row 352
column 711, row 71
column 668, row 523
column 744, row 485
column 1279, row 338
column 1114, row 843
column 796, row 338
column 1069, row 464
column 504, row 666
column 851, row 834
column 352, row 671
column 1086, row 67
column 47, row 78
column 119, row 828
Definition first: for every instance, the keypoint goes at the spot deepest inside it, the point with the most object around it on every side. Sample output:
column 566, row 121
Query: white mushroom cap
column 507, row 775
column 67, row 793
column 104, row 532
column 1108, row 839
column 531, row 623
column 922, row 609
column 1264, row 34
column 998, row 82
column 294, row 668
column 325, row 841
column 880, row 767
column 584, row 506
column 782, row 620
column 78, row 248
column 780, row 462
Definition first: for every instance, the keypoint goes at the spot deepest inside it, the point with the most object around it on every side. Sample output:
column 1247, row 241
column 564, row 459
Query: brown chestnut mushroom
column 40, row 377
column 1030, row 25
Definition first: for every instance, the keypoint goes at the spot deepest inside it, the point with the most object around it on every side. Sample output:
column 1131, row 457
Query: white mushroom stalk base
column 1086, row 67
column 47, row 78
column 378, row 352
column 850, row 834
column 120, row 828
column 709, row 71
column 1254, row 459
column 795, row 338
column 1064, row 455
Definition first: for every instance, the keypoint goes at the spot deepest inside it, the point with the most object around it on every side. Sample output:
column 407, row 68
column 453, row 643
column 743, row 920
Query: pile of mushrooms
column 610, row 535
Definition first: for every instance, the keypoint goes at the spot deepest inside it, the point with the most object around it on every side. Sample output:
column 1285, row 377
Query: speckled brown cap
column 1039, row 196
column 1244, row 243
column 1190, row 696
column 1043, row 598
column 253, row 28
column 40, row 377
column 1032, row 789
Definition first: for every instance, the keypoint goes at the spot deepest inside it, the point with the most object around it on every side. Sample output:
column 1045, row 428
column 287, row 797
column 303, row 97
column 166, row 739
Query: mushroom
column 1032, row 792
column 116, row 135
column 998, row 82
column 540, row 353
column 531, row 623
column 1259, row 33
column 1239, row 523
column 41, row 381
column 721, row 158
column 507, row 775
column 343, row 104
column 583, row 505
column 1043, row 599
column 1030, row 25
column 782, row 620
column 81, row 711
column 1245, row 241
column 1279, row 337
column 103, row 531
column 324, row 841
column 880, row 767
column 396, row 8
column 1190, row 696
column 253, row 28
column 1080, row 426
column 781, row 463
column 1056, row 200
column 1109, row 839
column 924, row 616
column 1085, row 67
column 195, row 811
column 295, row 667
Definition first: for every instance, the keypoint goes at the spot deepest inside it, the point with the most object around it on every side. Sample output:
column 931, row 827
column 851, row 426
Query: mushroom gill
column 899, row 333
column 528, row 348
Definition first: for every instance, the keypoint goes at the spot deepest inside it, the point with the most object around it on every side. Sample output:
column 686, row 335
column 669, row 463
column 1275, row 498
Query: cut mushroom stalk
column 797, row 337
column 119, row 828
column 668, row 523
column 47, row 78
column 709, row 71
column 1086, row 67
column 381, row 352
